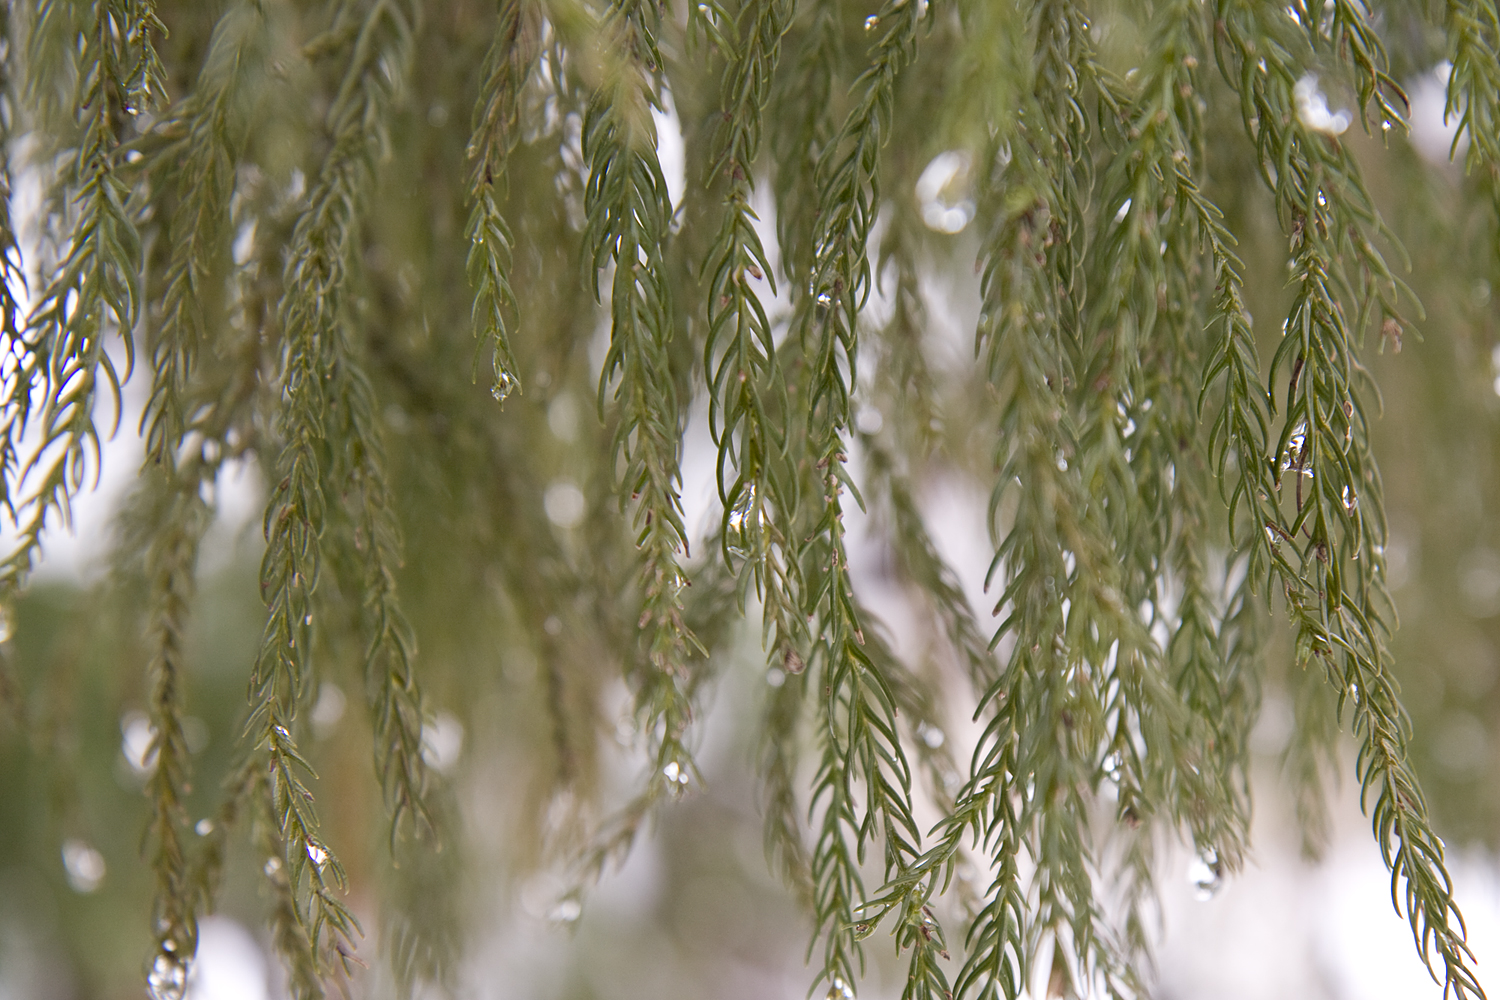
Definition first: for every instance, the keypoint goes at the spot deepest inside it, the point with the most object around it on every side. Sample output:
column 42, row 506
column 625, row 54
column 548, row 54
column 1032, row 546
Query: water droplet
column 1124, row 210
column 167, row 979
column 1350, row 500
column 871, row 22
column 1206, row 873
column 505, row 385
column 273, row 865
column 840, row 990
column 318, row 855
column 204, row 827
column 168, row 945
column 930, row 735
column 673, row 770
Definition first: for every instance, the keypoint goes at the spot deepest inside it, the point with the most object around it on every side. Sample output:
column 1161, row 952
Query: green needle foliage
column 300, row 225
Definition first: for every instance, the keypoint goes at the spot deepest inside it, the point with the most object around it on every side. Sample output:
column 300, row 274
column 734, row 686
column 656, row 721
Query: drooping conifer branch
column 55, row 362
column 1474, row 82
column 171, row 564
column 325, row 398
column 210, row 127
column 628, row 213
column 803, row 119
column 1061, row 586
column 1146, row 307
column 863, row 788
column 1327, row 550
column 495, row 131
column 748, row 397
column 12, row 278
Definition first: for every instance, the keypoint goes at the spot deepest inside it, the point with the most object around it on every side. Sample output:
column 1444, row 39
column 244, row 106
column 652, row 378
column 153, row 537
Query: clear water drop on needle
column 167, row 979
column 505, row 385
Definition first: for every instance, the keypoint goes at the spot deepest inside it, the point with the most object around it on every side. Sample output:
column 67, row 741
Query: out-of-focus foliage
column 442, row 278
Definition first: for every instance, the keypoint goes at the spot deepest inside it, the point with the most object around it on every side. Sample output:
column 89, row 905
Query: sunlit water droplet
column 204, row 827
column 167, row 979
column 505, row 385
column 272, row 866
column 318, row 855
column 871, row 22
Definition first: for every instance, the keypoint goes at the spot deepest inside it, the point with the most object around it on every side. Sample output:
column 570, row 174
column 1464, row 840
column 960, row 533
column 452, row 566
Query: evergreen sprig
column 495, row 132
column 1327, row 552
column 748, row 391
column 326, row 398
column 628, row 213
column 208, row 129
column 860, row 741
column 171, row 563
column 1473, row 96
column 59, row 354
